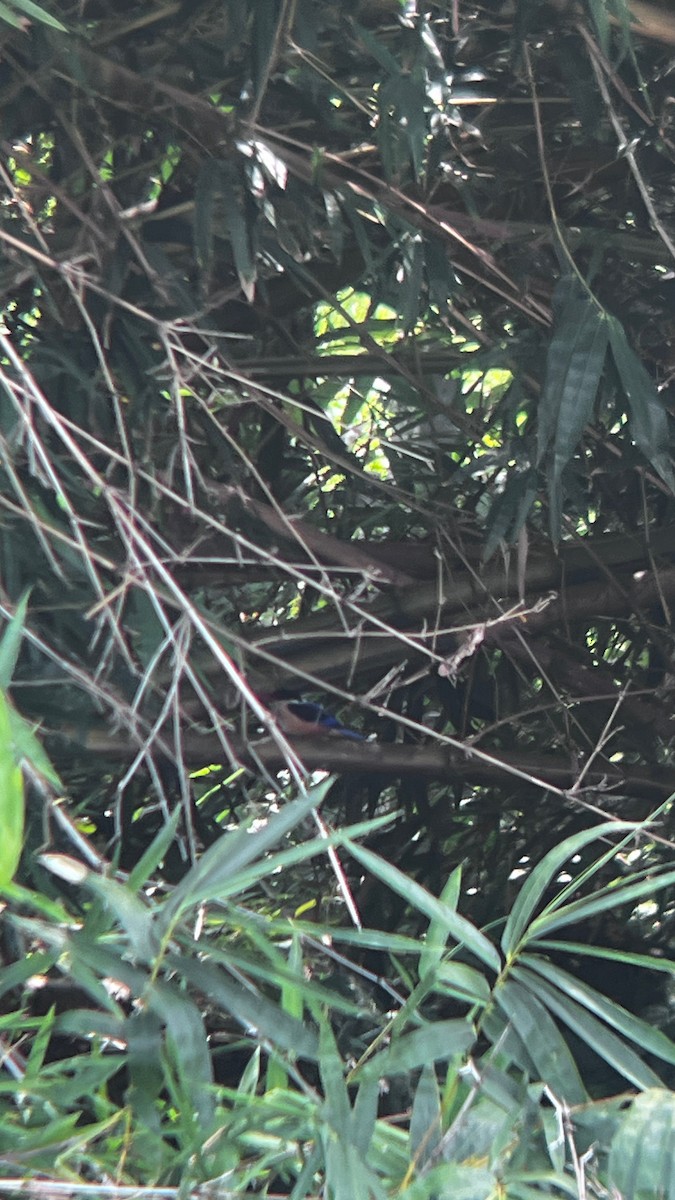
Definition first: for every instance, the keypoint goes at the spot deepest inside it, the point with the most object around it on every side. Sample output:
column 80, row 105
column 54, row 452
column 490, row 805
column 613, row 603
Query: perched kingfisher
column 296, row 716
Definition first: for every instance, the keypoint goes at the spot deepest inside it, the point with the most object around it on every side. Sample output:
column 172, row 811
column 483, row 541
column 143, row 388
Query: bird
column 296, row 716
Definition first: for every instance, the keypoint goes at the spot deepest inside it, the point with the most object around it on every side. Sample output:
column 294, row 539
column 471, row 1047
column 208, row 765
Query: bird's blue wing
column 316, row 714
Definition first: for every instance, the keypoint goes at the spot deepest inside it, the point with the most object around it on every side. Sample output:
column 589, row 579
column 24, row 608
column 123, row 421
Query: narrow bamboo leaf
column 601, row 1040
column 10, row 644
column 463, row 982
column 459, row 928
column 16, row 974
column 410, row 112
column 379, row 51
column 277, row 973
column 187, row 1038
column 599, row 13
column 642, row 1153
column 266, row 16
column 227, row 857
column 571, row 366
column 539, row 880
column 154, row 854
column 240, row 233
column 83, row 1022
column 432, row 1043
column 347, row 1176
column 248, row 1084
column 590, row 906
column 509, row 510
column 27, row 746
column 207, row 193
column 255, row 1012
column 574, row 366
column 438, row 932
column 373, row 939
column 11, row 18
column 336, row 1097
column 133, row 915
column 410, row 291
column 647, row 1037
column 143, row 1032
column 364, row 1115
column 545, row 1044
column 291, row 991
column 648, row 418
column 292, row 1003
column 577, row 399
column 11, row 800
column 648, row 961
column 38, row 13
column 426, row 1118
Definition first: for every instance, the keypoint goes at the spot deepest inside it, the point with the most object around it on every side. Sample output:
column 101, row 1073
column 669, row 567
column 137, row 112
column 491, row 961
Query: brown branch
column 444, row 763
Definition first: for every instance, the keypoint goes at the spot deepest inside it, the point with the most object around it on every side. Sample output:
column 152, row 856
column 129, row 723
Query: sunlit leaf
column 11, row 800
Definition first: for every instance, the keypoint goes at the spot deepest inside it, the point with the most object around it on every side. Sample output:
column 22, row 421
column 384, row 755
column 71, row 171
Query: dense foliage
column 337, row 357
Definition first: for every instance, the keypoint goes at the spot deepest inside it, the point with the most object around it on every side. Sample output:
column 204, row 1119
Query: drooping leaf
column 595, row 1033
column 648, row 418
column 544, row 1042
column 574, row 366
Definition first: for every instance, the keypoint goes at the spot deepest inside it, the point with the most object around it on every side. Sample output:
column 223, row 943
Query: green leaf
column 254, row 1011
column 27, row 746
column 208, row 191
column 463, row 982
column 432, row 1043
column 599, row 14
column 36, row 12
column 133, row 915
column 642, row 1154
column 458, row 927
column 438, row 931
column 364, row 1115
column 594, row 1033
column 12, row 810
column 542, row 1039
column 574, row 366
column 648, row 417
column 239, row 231
column 218, row 870
column 426, row 1118
column 539, row 880
column 187, row 1039
column 607, row 899
column 336, row 1097
column 11, row 642
column 648, row 961
column 646, row 1036
column 155, row 852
